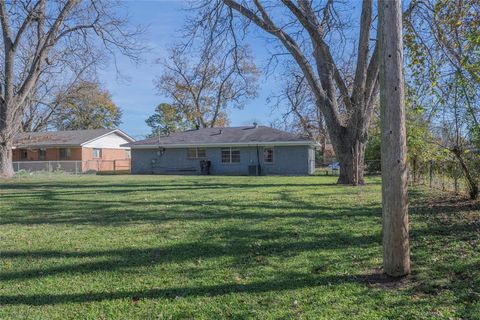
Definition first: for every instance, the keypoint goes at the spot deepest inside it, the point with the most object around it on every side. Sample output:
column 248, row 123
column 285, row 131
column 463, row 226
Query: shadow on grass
column 47, row 206
column 445, row 249
column 435, row 225
column 238, row 244
column 289, row 281
column 156, row 186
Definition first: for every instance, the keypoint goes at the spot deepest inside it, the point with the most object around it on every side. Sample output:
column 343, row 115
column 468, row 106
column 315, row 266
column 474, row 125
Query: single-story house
column 76, row 150
column 248, row 150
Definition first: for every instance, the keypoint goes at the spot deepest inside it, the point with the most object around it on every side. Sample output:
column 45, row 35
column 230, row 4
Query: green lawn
column 168, row 247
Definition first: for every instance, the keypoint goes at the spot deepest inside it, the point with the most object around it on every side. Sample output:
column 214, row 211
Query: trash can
column 205, row 167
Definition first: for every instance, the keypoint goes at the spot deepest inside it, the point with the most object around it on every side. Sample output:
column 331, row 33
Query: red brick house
column 79, row 150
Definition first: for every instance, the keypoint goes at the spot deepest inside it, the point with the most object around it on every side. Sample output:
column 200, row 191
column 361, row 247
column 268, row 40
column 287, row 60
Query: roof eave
column 36, row 146
column 118, row 131
column 236, row 144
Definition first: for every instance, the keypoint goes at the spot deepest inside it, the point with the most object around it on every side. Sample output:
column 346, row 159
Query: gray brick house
column 229, row 151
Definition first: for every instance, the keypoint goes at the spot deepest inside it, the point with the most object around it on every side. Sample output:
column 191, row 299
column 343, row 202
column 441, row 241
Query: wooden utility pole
column 396, row 253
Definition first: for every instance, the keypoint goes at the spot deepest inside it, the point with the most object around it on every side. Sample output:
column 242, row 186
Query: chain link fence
column 372, row 168
column 74, row 167
column 446, row 175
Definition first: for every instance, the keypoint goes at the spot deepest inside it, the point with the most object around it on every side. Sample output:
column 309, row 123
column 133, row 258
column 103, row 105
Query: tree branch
column 44, row 48
column 28, row 19
column 325, row 103
column 359, row 82
column 323, row 57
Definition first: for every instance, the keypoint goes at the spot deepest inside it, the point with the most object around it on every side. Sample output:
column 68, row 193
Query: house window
column 65, row 153
column 195, row 153
column 97, row 153
column 23, row 154
column 230, row 155
column 128, row 154
column 268, row 155
column 201, row 153
column 42, row 154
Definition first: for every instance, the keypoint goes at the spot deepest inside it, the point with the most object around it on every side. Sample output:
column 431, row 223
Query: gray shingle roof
column 225, row 135
column 57, row 138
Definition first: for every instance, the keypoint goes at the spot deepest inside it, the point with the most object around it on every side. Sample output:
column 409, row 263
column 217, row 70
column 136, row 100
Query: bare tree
column 396, row 254
column 307, row 38
column 38, row 37
column 46, row 99
column 39, row 109
column 204, row 85
column 297, row 105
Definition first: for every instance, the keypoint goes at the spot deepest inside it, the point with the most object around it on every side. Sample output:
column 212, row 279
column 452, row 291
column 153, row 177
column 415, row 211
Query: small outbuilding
column 248, row 150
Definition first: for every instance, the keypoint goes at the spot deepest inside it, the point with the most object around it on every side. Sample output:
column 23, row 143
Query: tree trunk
column 6, row 167
column 396, row 252
column 351, row 155
column 326, row 82
column 6, row 138
column 472, row 183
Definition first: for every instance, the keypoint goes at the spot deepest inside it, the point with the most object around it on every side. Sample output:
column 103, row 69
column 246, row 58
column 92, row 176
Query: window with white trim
column 196, row 153
column 230, row 155
column 128, row 154
column 268, row 155
column 97, row 153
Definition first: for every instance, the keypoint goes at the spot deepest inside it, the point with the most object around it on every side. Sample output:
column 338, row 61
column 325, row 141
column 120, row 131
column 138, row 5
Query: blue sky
column 136, row 95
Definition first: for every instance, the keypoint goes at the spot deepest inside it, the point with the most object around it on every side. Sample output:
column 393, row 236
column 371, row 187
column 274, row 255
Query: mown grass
column 170, row 247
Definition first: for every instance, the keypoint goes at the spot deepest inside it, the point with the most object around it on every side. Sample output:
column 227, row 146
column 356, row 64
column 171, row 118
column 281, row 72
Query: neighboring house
column 77, row 150
column 231, row 150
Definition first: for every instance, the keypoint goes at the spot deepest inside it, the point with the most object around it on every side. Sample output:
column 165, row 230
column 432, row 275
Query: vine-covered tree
column 443, row 42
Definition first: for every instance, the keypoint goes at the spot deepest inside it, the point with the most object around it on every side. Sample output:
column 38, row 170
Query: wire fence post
column 455, row 182
column 414, row 167
column 431, row 173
